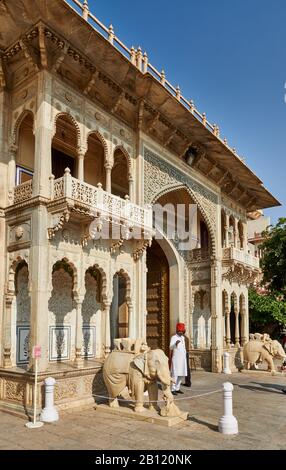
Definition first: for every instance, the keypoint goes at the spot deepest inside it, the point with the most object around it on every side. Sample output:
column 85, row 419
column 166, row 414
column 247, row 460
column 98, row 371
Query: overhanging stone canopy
column 68, row 46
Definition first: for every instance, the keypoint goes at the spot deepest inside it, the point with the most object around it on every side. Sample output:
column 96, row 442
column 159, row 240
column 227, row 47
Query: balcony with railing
column 93, row 199
column 232, row 254
column 99, row 201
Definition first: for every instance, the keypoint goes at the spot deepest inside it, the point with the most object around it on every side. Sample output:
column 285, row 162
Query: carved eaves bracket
column 60, row 220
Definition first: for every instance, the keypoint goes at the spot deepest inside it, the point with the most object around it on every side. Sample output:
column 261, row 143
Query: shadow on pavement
column 263, row 387
column 212, row 427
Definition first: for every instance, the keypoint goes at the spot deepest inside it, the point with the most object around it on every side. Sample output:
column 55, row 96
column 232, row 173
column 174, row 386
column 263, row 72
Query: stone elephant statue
column 139, row 372
column 260, row 349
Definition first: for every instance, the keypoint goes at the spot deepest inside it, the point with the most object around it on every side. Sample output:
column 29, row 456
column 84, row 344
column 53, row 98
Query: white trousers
column 178, row 380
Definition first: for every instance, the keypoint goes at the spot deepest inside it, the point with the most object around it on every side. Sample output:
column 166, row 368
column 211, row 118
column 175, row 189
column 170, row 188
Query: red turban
column 181, row 327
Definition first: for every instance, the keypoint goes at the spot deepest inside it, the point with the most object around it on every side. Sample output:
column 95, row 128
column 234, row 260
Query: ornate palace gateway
column 91, row 137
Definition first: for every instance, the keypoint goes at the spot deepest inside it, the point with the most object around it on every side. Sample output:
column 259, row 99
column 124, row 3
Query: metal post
column 35, row 424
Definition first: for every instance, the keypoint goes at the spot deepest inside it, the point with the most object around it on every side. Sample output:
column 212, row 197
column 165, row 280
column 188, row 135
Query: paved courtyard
column 259, row 406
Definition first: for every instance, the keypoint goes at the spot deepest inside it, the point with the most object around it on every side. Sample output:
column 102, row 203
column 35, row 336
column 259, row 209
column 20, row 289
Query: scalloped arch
column 122, row 272
column 127, row 156
column 102, row 141
column 104, row 293
column 178, row 186
column 17, row 125
column 70, row 118
column 74, row 271
column 12, row 272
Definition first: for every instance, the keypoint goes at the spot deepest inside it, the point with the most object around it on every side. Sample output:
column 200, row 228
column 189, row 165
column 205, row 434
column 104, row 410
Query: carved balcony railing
column 98, row 201
column 23, row 192
column 234, row 254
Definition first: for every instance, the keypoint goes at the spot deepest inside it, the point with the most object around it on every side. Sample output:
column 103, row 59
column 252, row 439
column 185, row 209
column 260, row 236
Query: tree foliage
column 274, row 258
column 267, row 312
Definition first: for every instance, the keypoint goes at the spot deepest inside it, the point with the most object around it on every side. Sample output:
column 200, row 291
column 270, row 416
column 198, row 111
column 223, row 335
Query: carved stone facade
column 83, row 158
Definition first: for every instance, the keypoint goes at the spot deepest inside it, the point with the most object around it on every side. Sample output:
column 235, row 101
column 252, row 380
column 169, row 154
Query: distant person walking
column 179, row 368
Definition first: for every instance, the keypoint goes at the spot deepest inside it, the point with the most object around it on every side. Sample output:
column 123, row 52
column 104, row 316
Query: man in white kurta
column 179, row 358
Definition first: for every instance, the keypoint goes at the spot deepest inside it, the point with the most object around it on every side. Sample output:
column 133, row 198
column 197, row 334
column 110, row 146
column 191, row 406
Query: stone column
column 131, row 188
column 191, row 333
column 108, row 169
column 7, row 361
column 78, row 334
column 236, row 334
column 228, row 338
column 246, row 331
column 106, row 313
column 12, row 173
column 40, row 276
column 235, row 233
column 224, row 330
column 131, row 321
column 43, row 137
column 226, row 228
column 80, row 163
column 243, row 327
column 216, row 316
column 245, row 238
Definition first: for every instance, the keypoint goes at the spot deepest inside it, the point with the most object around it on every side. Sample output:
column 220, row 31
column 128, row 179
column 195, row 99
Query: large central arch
column 198, row 226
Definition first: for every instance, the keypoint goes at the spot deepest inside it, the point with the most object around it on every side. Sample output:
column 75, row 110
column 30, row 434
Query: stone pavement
column 259, row 406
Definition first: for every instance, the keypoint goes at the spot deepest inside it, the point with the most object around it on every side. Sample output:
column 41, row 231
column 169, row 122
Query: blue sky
column 230, row 58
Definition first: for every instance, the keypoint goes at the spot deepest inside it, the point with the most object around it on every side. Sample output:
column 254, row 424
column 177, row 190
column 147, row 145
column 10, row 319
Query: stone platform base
column 148, row 416
column 74, row 387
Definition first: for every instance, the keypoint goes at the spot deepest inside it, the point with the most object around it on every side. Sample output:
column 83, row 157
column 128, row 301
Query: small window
column 23, row 175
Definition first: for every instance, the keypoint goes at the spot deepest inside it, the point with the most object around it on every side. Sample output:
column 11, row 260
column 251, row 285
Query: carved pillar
column 131, row 188
column 245, row 238
column 40, row 277
column 224, row 329
column 78, row 334
column 235, row 233
column 106, row 313
column 131, row 321
column 191, row 331
column 12, row 172
column 243, row 327
column 227, row 317
column 7, row 361
column 108, row 169
column 216, row 316
column 80, row 163
column 236, row 333
column 226, row 230
column 43, row 137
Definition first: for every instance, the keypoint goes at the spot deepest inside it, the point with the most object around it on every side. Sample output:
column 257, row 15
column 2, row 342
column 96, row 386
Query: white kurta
column 179, row 359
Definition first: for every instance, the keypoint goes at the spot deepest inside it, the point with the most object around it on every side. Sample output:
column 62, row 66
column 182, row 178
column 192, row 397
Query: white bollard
column 227, row 423
column 226, row 368
column 49, row 413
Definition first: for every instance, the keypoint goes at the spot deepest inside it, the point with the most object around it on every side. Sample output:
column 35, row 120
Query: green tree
column 274, row 258
column 266, row 313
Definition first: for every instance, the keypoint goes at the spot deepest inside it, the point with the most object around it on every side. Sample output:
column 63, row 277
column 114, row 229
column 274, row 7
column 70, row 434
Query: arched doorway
column 158, row 312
